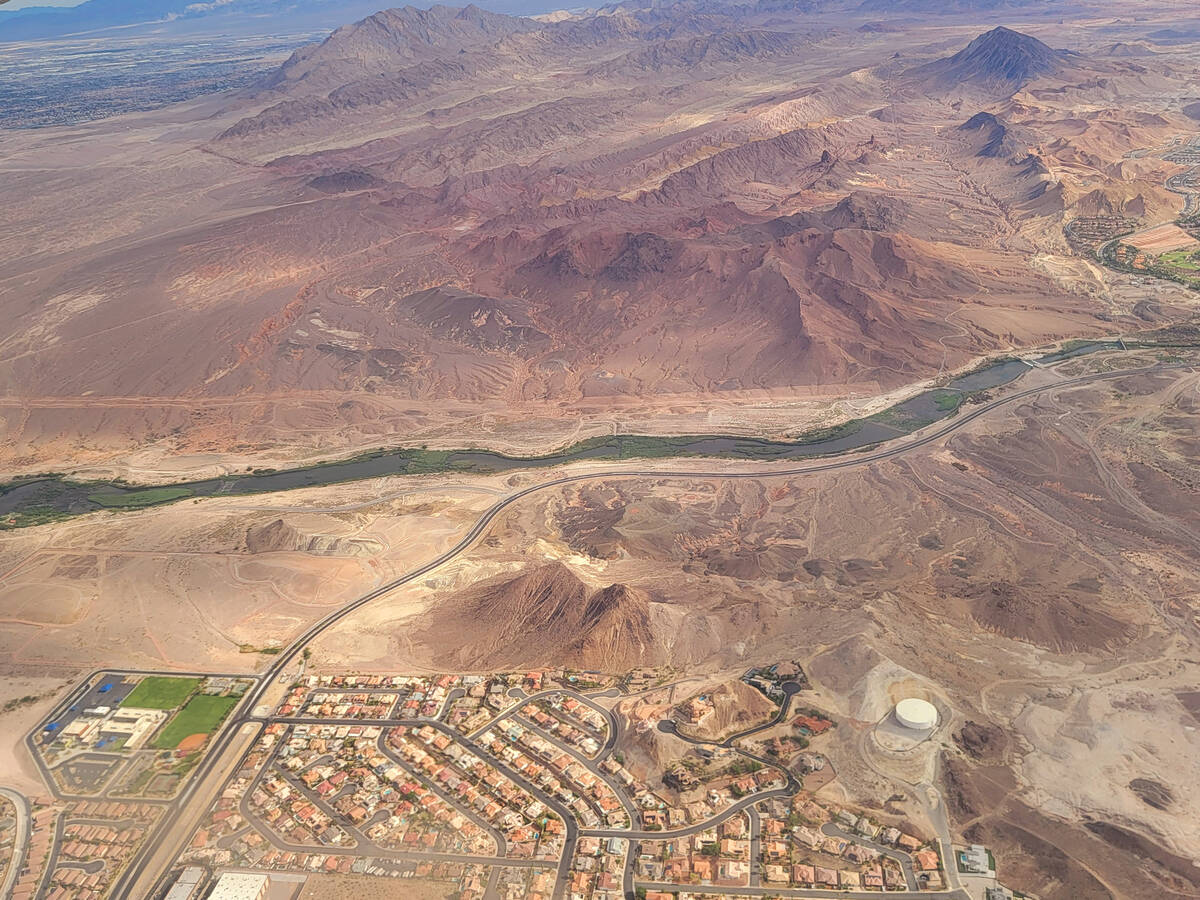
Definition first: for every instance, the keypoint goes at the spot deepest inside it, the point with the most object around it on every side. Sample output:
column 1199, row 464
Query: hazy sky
column 21, row 4
column 513, row 7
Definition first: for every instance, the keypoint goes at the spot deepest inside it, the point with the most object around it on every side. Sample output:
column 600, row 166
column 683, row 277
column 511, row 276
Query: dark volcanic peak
column 994, row 138
column 1006, row 54
column 990, row 131
column 640, row 255
column 868, row 211
column 1000, row 58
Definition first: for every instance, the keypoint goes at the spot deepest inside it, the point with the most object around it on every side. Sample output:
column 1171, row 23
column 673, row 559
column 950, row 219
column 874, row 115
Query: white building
column 187, row 885
column 975, row 860
column 240, row 886
column 134, row 724
column 919, row 715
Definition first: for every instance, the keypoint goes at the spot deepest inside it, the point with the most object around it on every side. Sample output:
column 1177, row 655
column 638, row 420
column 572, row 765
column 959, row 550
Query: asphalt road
column 756, row 865
column 852, row 460
column 905, row 861
column 20, row 840
column 56, row 843
column 935, row 806
column 814, row 893
column 696, row 827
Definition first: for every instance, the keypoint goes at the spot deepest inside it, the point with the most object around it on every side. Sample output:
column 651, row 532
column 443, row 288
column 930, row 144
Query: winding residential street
column 755, row 845
column 902, row 858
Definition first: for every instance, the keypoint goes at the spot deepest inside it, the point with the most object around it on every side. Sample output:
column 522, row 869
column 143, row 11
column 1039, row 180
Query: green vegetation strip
column 161, row 692
column 53, row 497
column 947, row 400
column 33, row 515
column 201, row 716
column 140, row 499
column 1180, row 259
column 1115, row 253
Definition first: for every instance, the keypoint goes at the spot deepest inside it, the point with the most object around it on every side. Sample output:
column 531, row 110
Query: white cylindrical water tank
column 919, row 715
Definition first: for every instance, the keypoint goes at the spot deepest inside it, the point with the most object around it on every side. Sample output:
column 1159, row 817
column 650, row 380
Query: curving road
column 855, row 459
column 790, row 689
column 905, row 861
column 20, row 840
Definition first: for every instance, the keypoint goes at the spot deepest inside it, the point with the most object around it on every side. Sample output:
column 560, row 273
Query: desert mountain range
column 435, row 214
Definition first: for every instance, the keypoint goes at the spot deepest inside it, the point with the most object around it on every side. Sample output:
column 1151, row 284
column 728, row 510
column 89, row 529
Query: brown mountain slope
column 547, row 616
column 282, row 536
column 378, row 43
column 438, row 215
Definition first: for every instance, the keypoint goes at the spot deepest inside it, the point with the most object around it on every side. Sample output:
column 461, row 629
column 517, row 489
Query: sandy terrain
column 31, row 696
column 350, row 887
column 1162, row 239
column 111, row 589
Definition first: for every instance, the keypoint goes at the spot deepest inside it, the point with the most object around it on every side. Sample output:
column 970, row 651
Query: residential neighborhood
column 512, row 785
column 516, row 785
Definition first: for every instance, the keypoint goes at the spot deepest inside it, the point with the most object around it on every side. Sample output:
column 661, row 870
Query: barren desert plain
column 730, row 449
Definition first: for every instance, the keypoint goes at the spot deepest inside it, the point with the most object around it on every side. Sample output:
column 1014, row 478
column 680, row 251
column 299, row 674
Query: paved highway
column 20, row 840
column 855, row 459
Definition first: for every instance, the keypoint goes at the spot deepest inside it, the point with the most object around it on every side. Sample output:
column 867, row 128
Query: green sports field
column 201, row 715
column 161, row 692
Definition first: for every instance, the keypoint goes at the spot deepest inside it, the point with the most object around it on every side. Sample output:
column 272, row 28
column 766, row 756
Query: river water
column 72, row 497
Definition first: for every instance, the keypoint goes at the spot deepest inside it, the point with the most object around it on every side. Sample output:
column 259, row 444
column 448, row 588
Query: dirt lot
column 352, row 887
column 1162, row 239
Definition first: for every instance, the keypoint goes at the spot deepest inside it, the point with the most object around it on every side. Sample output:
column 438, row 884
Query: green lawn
column 947, row 400
column 138, row 499
column 201, row 715
column 161, row 692
column 1180, row 259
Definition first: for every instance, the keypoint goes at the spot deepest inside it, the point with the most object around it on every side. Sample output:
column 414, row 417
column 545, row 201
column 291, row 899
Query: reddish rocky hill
column 548, row 616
